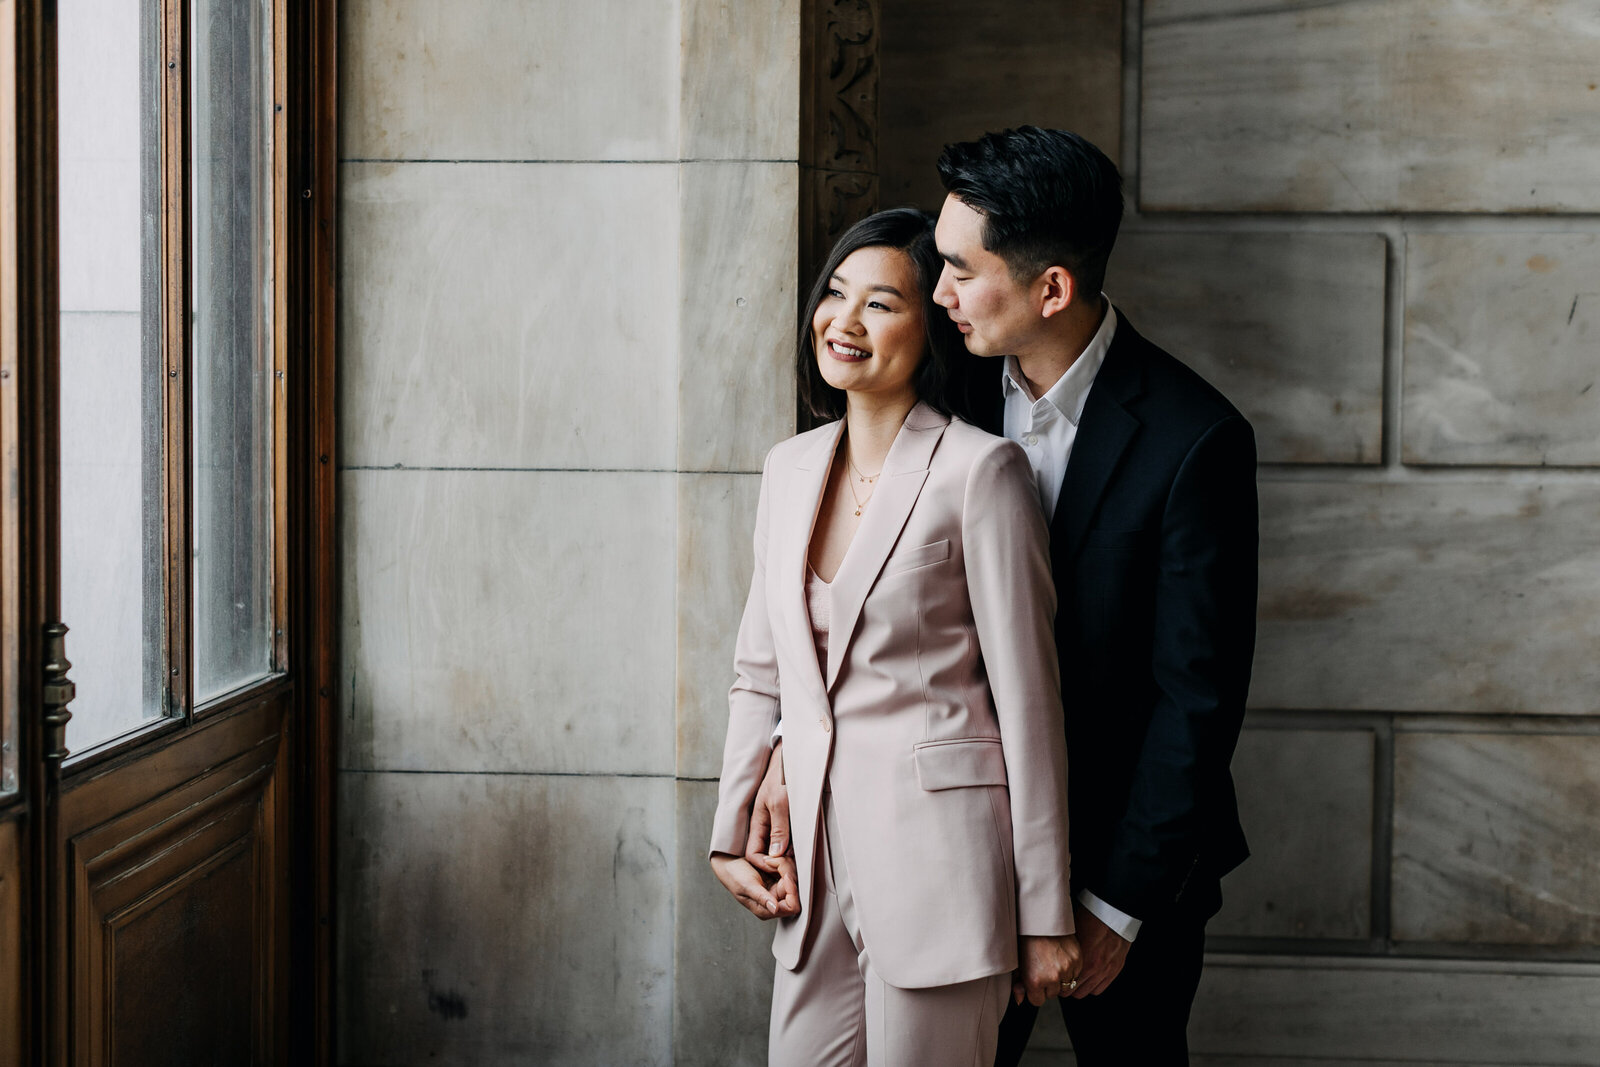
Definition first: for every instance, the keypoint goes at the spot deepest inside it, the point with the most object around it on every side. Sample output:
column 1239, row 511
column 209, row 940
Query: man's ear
column 1057, row 288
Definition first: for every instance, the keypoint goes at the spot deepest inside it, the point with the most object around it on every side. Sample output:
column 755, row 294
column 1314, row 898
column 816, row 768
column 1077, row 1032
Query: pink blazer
column 937, row 722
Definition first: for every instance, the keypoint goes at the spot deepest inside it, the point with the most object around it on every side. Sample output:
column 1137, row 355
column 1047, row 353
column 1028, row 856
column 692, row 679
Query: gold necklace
column 859, row 502
column 857, row 469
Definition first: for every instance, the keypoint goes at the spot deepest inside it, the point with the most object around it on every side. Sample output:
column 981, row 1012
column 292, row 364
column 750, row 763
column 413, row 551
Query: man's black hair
column 1048, row 197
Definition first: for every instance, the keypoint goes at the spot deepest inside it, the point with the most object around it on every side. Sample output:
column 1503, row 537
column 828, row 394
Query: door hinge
column 58, row 692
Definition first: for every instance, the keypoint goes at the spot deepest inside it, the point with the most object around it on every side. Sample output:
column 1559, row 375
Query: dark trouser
column 1143, row 1018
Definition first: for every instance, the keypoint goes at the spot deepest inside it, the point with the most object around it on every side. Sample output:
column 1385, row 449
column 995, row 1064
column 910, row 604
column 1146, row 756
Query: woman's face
column 869, row 330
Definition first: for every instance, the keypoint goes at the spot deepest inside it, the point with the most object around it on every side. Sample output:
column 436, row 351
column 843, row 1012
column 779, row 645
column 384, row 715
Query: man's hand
column 765, row 886
column 769, row 816
column 1045, row 965
column 1104, row 953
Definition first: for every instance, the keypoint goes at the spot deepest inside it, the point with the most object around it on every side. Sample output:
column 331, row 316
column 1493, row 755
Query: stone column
column 567, row 299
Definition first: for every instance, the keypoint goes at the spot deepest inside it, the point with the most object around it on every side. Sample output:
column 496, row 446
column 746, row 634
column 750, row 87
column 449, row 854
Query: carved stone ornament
column 850, row 85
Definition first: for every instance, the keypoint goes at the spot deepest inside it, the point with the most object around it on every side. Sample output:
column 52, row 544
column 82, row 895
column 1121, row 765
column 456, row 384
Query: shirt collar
column 1071, row 390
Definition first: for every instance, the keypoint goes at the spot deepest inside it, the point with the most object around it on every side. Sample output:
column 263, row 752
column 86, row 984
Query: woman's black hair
column 941, row 381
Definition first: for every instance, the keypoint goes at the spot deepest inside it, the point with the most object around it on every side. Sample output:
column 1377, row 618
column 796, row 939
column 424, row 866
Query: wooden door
column 165, row 423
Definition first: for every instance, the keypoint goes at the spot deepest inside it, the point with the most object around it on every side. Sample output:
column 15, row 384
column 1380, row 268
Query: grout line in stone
column 507, row 774
column 403, row 468
column 1249, row 13
column 1352, row 222
column 1132, row 97
column 1458, row 958
column 1408, row 474
column 1380, row 918
column 1579, row 724
column 528, row 774
column 1394, row 312
column 586, row 162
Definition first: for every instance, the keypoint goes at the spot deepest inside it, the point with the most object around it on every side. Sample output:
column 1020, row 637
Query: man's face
column 995, row 313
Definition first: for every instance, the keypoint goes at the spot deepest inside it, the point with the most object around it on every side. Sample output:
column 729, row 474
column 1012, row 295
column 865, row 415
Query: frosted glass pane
column 111, row 579
column 231, row 320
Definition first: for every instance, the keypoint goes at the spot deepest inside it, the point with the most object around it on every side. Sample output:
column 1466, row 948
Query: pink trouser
column 836, row 1012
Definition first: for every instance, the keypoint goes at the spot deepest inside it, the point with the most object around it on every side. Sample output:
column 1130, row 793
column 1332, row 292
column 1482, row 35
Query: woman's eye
column 836, row 294
column 879, row 305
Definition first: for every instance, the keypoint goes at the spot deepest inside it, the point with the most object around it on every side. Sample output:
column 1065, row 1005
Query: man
column 1147, row 475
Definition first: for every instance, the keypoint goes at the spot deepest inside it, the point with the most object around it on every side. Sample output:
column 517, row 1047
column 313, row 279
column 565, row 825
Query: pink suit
column 937, row 721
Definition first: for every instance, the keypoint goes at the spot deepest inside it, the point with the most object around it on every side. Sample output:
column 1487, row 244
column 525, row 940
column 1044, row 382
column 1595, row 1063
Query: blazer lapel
column 905, row 469
column 1104, row 433
column 811, row 477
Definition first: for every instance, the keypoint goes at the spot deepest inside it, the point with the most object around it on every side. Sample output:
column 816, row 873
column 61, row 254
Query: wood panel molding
column 188, row 887
column 165, row 857
column 13, row 973
column 838, row 123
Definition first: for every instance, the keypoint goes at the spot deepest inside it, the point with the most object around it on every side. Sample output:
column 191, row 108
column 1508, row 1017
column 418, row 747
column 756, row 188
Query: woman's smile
column 846, row 352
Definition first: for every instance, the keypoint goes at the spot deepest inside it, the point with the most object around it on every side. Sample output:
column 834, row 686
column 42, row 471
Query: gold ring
column 1070, row 986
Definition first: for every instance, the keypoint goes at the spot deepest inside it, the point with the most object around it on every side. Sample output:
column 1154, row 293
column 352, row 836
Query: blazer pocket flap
column 911, row 558
column 962, row 762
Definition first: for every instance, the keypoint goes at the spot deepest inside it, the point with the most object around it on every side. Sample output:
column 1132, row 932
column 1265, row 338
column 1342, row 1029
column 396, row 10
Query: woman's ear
column 1057, row 288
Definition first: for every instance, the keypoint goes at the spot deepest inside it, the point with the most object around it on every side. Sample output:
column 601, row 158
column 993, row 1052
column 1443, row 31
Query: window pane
column 111, row 579
column 231, row 320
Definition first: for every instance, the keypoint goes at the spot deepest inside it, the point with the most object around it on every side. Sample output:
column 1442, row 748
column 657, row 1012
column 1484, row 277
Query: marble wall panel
column 1288, row 325
column 1369, row 105
column 741, row 80
column 508, row 621
column 1305, row 797
column 509, row 316
column 953, row 71
column 1497, row 838
column 1413, row 1011
column 505, row 919
column 1502, row 348
column 723, row 960
column 487, row 79
column 716, row 519
column 1448, row 595
column 736, row 332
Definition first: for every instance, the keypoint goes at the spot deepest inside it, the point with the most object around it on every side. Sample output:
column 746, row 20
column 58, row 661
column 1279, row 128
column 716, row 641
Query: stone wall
column 570, row 237
column 1375, row 225
column 569, row 246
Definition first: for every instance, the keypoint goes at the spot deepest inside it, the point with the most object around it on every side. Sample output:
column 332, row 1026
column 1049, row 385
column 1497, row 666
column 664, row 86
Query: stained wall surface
column 567, row 281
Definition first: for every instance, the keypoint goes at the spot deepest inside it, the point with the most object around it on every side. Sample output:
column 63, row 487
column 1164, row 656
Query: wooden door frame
column 30, row 387
column 313, row 550
column 29, row 390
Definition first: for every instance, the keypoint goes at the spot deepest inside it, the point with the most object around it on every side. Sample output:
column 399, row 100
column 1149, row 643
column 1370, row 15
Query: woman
column 902, row 594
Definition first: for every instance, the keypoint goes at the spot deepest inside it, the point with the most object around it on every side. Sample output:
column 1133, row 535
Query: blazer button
column 826, row 726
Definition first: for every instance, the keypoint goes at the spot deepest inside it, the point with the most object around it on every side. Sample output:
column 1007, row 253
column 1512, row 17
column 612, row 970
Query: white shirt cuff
column 777, row 735
column 1122, row 924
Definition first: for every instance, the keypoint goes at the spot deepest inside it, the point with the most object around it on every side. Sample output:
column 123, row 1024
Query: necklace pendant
column 858, row 513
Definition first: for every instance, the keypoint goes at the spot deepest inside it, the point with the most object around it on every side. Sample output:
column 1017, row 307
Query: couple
column 986, row 572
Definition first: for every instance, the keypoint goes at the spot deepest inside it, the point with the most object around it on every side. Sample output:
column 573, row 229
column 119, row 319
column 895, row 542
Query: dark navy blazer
column 1154, row 547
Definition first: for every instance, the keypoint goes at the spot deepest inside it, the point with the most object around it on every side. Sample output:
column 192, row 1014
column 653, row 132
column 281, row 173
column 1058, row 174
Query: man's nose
column 944, row 293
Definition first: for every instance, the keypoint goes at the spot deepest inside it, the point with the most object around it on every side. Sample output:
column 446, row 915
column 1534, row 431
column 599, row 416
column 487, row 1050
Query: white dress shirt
column 1046, row 428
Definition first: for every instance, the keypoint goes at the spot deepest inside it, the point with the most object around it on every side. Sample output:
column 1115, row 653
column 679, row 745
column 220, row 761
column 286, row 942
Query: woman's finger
column 778, row 834
column 741, row 879
column 760, row 828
